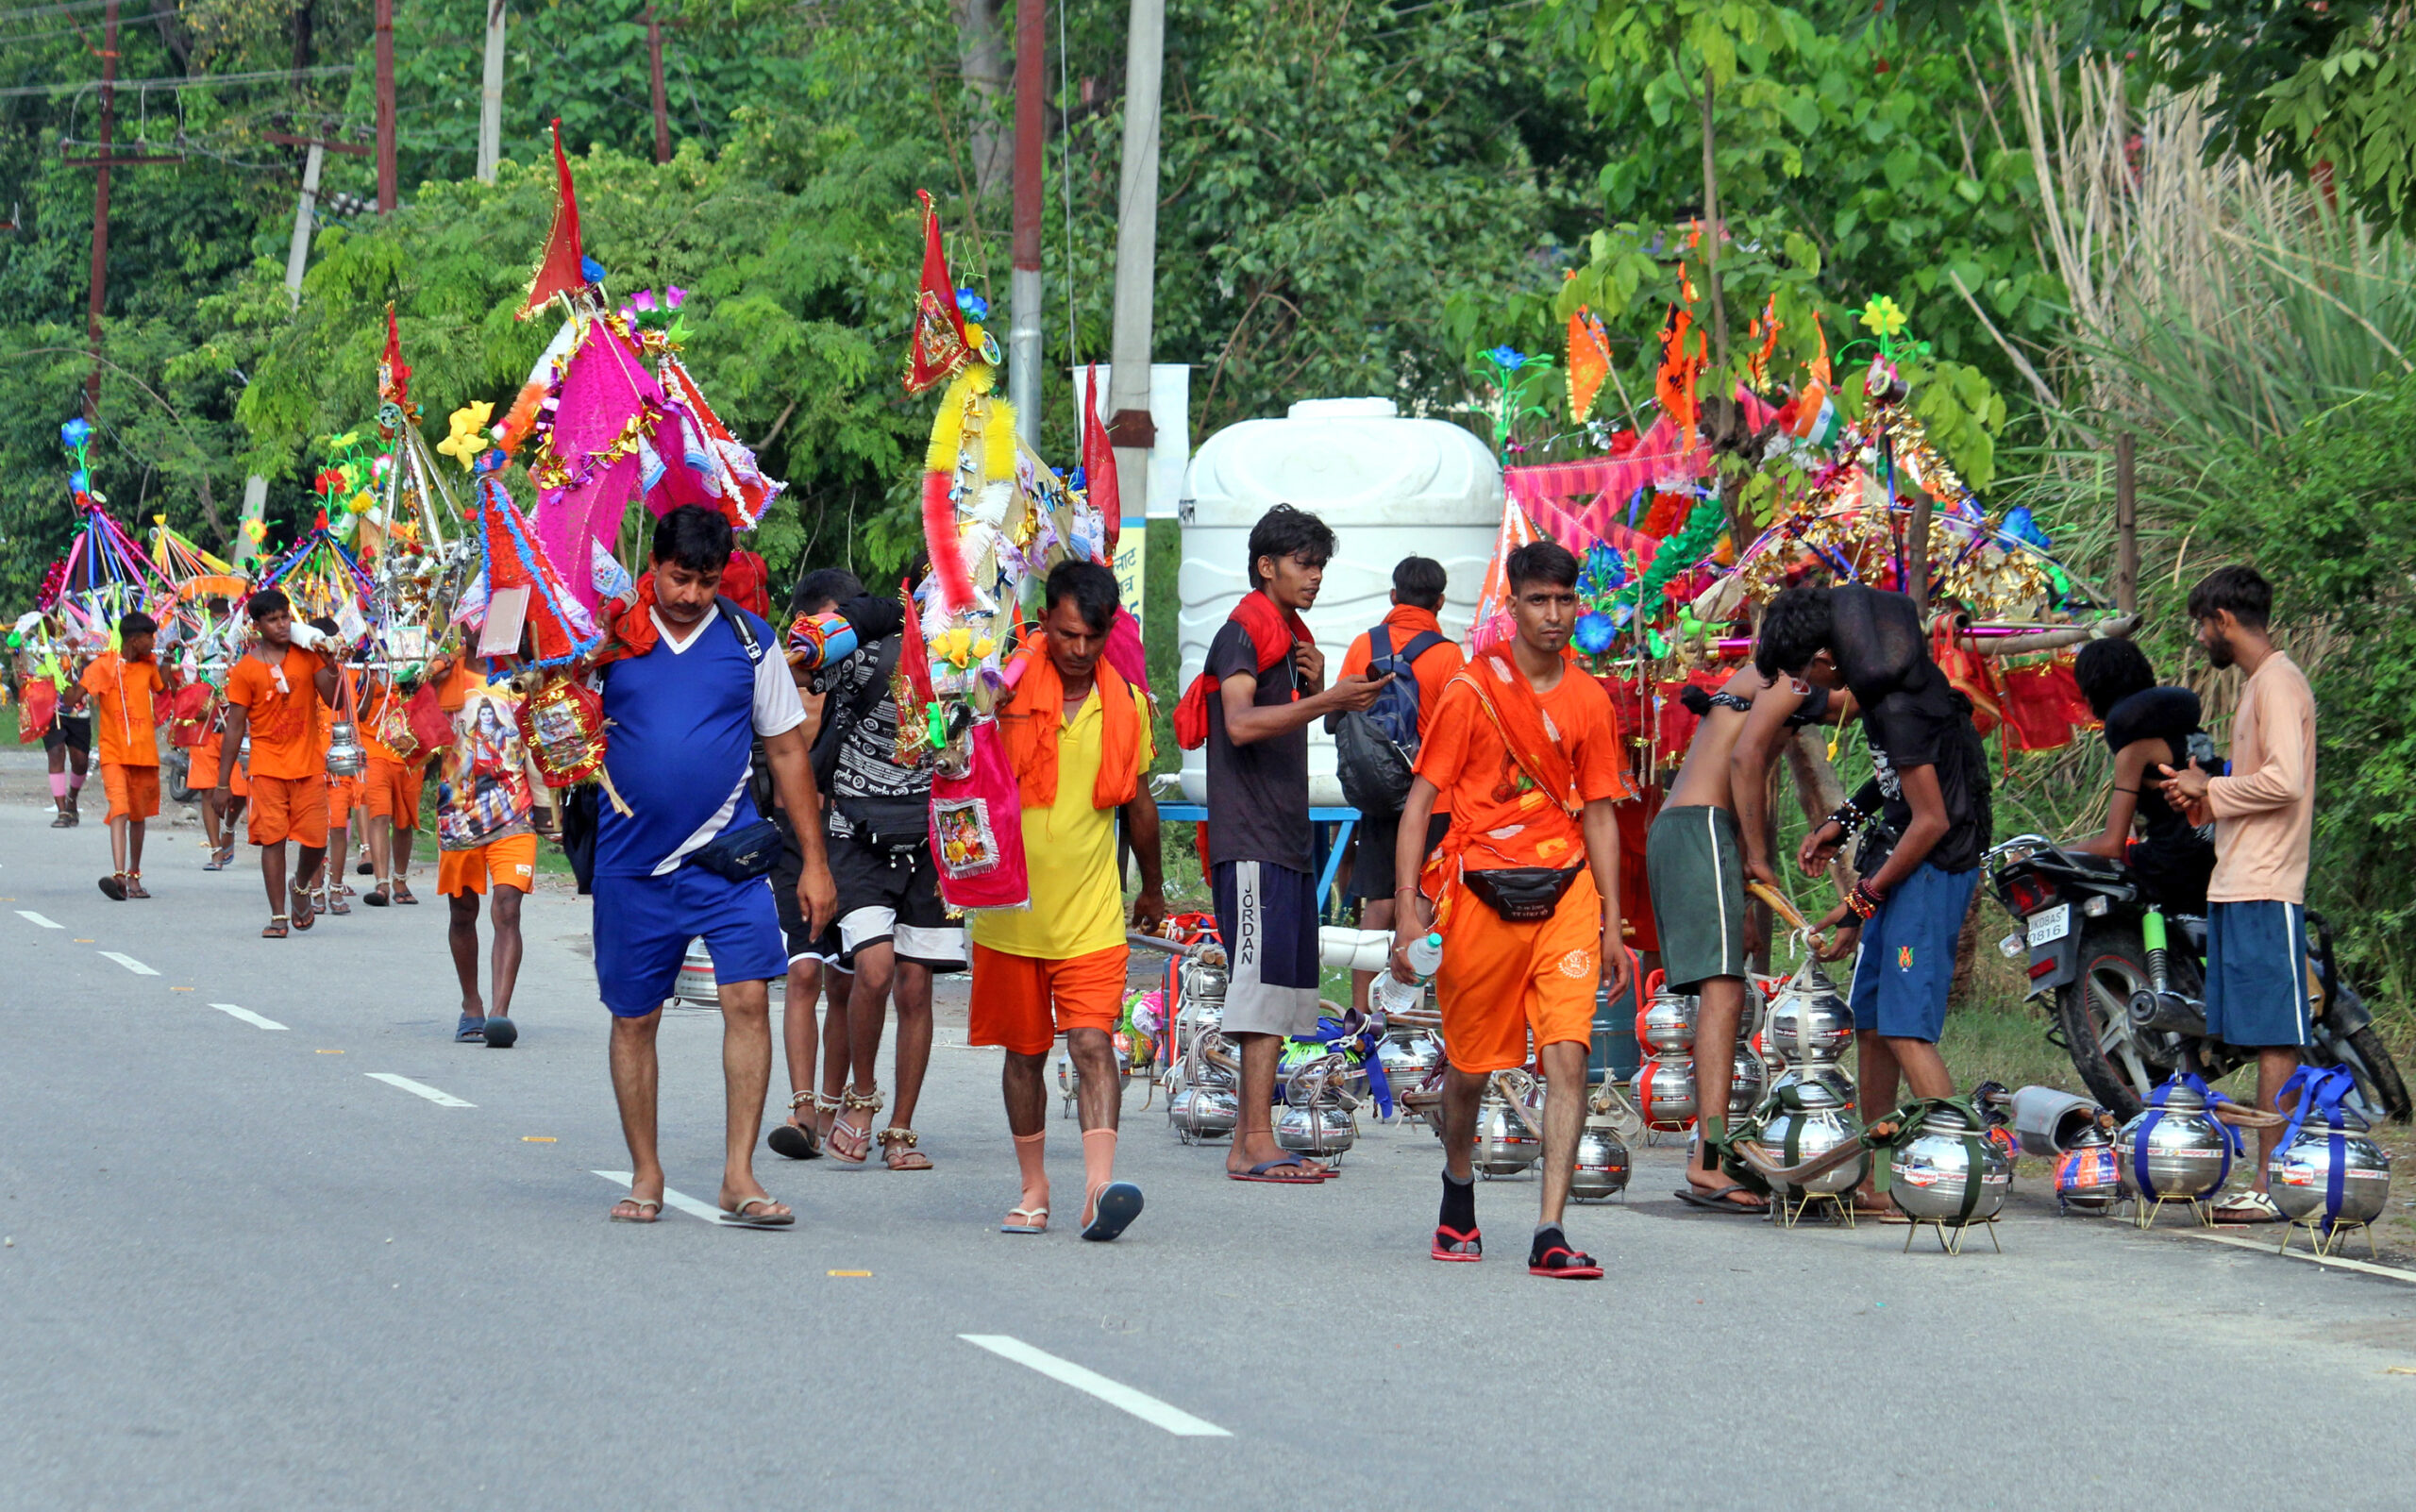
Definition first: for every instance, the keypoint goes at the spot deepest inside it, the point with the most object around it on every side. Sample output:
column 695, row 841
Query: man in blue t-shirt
column 690, row 681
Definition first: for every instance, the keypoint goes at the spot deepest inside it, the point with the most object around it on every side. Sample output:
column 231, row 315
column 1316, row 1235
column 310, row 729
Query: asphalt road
column 240, row 1271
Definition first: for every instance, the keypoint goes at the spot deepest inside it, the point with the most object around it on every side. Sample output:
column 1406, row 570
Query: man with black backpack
column 1376, row 750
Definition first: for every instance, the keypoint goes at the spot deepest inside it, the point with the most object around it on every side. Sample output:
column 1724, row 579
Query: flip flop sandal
column 793, row 1142
column 2251, row 1207
column 1113, row 1211
column 1561, row 1262
column 276, row 930
column 1458, row 1246
column 852, row 1101
column 1036, row 1220
column 912, row 1159
column 62, row 822
column 365, row 869
column 1717, row 1200
column 739, row 1218
column 337, row 905
column 649, row 1210
column 403, row 895
column 470, row 1031
column 134, row 887
column 375, row 898
column 1263, row 1171
column 305, row 914
column 216, row 862
column 501, row 1033
column 114, row 887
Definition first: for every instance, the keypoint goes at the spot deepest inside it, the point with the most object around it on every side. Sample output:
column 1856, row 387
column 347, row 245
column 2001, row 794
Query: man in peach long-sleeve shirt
column 2264, row 817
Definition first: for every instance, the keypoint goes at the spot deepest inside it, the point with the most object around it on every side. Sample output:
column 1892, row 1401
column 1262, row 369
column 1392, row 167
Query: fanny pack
column 742, row 854
column 1522, row 895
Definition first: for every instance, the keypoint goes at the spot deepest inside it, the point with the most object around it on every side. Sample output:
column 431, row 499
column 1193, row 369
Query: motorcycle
column 2127, row 982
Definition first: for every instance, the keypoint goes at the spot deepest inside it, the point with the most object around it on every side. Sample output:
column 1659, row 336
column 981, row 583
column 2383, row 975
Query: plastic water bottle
column 1389, row 994
column 1425, row 956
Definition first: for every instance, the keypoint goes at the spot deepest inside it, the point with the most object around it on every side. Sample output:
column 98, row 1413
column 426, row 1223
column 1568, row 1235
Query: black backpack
column 1376, row 748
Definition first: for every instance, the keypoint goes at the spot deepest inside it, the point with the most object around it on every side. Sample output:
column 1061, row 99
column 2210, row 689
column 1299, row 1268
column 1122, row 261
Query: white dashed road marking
column 671, row 1198
column 246, row 1015
column 442, row 1100
column 1114, row 1393
column 30, row 915
column 129, row 963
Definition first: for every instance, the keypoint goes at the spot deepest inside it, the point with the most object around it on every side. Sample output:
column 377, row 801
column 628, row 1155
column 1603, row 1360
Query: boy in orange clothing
column 346, row 794
column 122, row 684
column 487, row 842
column 1525, row 753
column 274, row 691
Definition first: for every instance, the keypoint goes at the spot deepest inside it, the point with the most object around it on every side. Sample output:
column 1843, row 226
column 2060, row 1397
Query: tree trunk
column 981, row 56
column 304, row 54
column 1818, row 789
column 172, row 33
column 1711, row 229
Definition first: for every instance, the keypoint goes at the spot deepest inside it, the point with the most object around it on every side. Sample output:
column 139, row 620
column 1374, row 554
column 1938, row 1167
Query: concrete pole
column 1024, row 288
column 1137, row 257
column 100, row 203
column 491, row 95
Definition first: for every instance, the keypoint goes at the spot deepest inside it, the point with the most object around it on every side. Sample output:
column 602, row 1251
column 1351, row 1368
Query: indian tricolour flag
column 1812, row 416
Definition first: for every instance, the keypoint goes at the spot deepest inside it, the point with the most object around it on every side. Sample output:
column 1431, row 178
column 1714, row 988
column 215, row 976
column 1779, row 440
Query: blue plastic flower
column 2019, row 525
column 1594, row 631
column 1605, row 569
column 972, row 306
column 591, row 270
column 80, row 481
column 76, row 432
column 1509, row 358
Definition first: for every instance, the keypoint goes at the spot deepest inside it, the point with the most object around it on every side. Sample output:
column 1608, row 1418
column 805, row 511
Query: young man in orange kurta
column 274, row 691
column 122, row 684
column 1525, row 753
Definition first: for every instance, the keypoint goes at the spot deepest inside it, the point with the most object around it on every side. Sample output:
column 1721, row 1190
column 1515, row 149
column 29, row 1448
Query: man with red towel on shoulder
column 1262, row 687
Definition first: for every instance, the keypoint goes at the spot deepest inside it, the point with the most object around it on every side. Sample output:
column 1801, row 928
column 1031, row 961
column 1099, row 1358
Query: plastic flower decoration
column 1604, row 570
column 591, row 270
column 971, row 305
column 1883, row 317
column 256, row 530
column 468, row 438
column 359, row 503
column 74, row 433
column 1594, row 631
column 1508, row 357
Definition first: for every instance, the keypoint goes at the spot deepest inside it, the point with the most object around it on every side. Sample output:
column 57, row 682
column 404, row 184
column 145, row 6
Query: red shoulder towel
column 1273, row 633
column 1031, row 727
column 628, row 624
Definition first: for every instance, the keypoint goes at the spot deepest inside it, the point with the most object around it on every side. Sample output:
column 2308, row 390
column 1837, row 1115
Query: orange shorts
column 343, row 795
column 289, row 808
column 1023, row 1001
column 134, row 791
column 1499, row 980
column 510, row 861
column 390, row 790
column 201, row 765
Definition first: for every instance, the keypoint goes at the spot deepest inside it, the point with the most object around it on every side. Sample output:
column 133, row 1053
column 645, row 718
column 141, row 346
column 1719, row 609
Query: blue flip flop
column 470, row 1031
column 1265, row 1169
column 1113, row 1211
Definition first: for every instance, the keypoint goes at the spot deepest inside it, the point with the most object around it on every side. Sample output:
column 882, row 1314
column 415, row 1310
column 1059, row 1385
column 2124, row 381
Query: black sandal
column 1718, row 1200
column 791, row 1141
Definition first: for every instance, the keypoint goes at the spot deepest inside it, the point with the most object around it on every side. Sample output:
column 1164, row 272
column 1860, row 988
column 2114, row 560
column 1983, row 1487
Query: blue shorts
column 1266, row 916
column 2257, row 983
column 644, row 924
column 1906, row 966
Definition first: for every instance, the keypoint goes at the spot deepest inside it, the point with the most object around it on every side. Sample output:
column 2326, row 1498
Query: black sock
column 1547, row 1235
column 1459, row 1204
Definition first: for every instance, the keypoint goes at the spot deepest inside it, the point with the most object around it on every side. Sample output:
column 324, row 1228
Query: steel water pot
column 1327, row 1129
column 1203, row 1113
column 1665, row 1024
column 1664, row 1092
column 1828, row 1074
column 1807, row 1021
column 695, row 986
column 2302, row 1176
column 1409, row 1056
column 1508, row 1138
column 1602, row 1165
column 1946, row 1169
column 345, row 757
column 1809, row 1122
column 2175, row 1148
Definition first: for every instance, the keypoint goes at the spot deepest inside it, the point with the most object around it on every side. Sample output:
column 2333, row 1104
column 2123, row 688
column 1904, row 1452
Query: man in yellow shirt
column 1078, row 735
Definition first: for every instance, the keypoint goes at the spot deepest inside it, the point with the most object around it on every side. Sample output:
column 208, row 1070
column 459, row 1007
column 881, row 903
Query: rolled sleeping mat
column 1347, row 949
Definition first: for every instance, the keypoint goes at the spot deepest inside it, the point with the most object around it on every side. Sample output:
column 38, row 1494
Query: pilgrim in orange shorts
column 393, row 790
column 1027, row 1001
column 289, row 775
column 510, row 861
column 1499, row 980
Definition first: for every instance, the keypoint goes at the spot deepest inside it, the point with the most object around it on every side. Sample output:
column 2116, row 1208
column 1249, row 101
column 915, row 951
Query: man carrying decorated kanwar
column 487, row 841
column 274, row 691
column 1078, row 735
column 122, row 685
column 1525, row 890
column 391, row 804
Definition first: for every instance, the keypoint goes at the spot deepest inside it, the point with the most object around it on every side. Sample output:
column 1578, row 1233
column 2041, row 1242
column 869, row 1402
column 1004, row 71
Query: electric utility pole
column 1136, row 258
column 101, row 204
column 491, row 95
column 387, row 192
column 1024, row 288
column 654, row 71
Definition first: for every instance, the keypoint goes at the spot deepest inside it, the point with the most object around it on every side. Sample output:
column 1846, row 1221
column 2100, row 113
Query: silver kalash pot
column 1509, row 1136
column 345, row 757
column 1325, row 1130
column 1409, row 1056
column 1200, row 991
column 1665, row 1024
column 1812, row 1120
column 1946, row 1169
column 1826, row 1073
column 695, row 986
column 1204, row 1112
column 1602, row 1165
column 1212, row 1061
column 1664, row 1090
column 1747, row 1083
column 1807, row 1021
column 2301, row 1176
column 2176, row 1152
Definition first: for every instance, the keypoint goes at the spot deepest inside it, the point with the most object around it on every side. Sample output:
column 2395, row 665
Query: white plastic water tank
column 1391, row 487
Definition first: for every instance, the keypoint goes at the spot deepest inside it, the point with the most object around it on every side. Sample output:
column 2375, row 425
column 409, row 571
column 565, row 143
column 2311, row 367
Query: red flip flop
column 1457, row 1246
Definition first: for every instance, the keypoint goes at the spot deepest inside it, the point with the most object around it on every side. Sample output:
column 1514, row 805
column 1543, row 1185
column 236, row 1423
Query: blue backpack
column 1376, row 748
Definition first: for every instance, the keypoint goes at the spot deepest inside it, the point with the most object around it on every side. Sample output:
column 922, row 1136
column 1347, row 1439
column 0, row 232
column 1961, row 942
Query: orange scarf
column 1518, row 713
column 631, row 632
column 1031, row 724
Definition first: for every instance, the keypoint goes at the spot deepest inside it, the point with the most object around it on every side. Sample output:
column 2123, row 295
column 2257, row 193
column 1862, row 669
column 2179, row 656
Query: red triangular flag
column 1099, row 465
column 913, row 661
column 562, row 270
column 940, row 346
column 393, row 378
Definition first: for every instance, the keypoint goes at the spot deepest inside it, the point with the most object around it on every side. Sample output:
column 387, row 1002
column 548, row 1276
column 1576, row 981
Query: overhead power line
column 66, row 8
column 184, row 81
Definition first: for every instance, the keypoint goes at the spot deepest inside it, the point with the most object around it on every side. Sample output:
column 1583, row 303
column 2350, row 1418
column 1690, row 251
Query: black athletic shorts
column 1371, row 854
column 889, row 892
column 74, row 731
column 785, row 872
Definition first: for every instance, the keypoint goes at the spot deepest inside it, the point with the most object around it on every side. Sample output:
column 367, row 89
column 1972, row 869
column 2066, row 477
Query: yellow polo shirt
column 1069, row 850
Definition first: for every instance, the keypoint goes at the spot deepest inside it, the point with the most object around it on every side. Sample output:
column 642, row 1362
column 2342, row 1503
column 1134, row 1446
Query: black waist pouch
column 742, row 854
column 1522, row 895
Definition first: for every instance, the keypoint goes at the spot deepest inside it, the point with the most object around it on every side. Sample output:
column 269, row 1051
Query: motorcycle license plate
column 2051, row 925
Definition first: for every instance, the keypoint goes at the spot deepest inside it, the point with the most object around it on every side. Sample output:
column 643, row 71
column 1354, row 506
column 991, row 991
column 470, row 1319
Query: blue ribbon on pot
column 2155, row 1115
column 2320, row 1091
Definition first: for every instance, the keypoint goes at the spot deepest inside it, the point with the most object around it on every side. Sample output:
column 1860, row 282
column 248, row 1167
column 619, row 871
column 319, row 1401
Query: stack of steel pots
column 1206, row 1103
column 1806, row 1029
column 1665, row 1084
column 1316, row 1118
column 1806, row 1120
